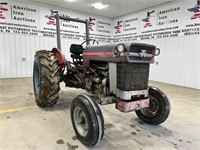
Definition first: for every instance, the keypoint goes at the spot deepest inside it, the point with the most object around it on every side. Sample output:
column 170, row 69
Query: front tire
column 158, row 110
column 87, row 120
column 46, row 78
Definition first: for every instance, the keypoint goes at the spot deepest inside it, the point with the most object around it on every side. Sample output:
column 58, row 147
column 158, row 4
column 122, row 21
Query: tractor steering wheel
column 94, row 41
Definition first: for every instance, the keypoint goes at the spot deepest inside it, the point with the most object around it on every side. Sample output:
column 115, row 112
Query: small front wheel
column 158, row 110
column 87, row 120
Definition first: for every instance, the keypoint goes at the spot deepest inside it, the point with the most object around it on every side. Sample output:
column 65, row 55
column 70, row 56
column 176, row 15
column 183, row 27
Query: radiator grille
column 132, row 76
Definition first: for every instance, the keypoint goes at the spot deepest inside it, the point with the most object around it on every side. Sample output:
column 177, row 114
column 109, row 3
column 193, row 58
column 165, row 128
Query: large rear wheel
column 46, row 78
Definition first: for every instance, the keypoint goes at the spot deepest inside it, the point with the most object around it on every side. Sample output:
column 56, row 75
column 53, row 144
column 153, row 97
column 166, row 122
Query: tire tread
column 50, row 78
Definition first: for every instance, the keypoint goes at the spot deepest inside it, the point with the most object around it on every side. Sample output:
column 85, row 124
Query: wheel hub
column 80, row 121
column 36, row 79
column 153, row 108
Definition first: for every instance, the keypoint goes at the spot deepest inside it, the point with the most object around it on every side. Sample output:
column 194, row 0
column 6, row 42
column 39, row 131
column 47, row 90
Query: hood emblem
column 143, row 53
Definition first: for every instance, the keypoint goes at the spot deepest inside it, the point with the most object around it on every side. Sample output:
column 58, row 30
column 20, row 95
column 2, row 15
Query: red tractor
column 116, row 73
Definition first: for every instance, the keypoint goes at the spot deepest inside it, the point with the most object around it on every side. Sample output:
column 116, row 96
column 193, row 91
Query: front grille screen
column 132, row 76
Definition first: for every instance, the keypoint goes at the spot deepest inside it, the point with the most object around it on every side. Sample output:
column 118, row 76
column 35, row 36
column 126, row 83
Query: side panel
column 113, row 77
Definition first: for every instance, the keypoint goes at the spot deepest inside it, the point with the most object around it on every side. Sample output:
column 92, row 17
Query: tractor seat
column 76, row 49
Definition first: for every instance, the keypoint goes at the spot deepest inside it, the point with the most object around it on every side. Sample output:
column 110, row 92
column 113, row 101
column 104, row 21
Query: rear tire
column 158, row 110
column 87, row 120
column 46, row 78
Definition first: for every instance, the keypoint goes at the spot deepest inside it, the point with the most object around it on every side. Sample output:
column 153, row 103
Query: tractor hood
column 122, row 52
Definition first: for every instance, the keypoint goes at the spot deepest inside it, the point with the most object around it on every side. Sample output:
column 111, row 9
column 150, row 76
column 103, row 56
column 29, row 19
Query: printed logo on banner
column 118, row 27
column 148, row 19
column 2, row 9
column 91, row 23
column 195, row 10
column 51, row 19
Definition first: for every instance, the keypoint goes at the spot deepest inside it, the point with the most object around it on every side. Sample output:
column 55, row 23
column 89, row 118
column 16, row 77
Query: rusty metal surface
column 124, row 106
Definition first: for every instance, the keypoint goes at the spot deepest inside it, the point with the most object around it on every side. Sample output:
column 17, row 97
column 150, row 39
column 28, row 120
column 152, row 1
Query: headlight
column 120, row 48
column 157, row 52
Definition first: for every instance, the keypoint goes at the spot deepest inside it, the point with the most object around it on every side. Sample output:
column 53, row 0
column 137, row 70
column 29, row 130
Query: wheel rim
column 80, row 121
column 36, row 79
column 153, row 108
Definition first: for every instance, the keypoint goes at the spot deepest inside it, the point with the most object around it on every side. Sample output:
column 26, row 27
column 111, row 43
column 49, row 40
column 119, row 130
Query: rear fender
column 62, row 62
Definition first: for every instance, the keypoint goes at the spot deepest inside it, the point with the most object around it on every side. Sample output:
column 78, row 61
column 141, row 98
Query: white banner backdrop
column 191, row 18
column 22, row 18
column 126, row 26
column 171, row 20
column 161, row 19
column 19, row 18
